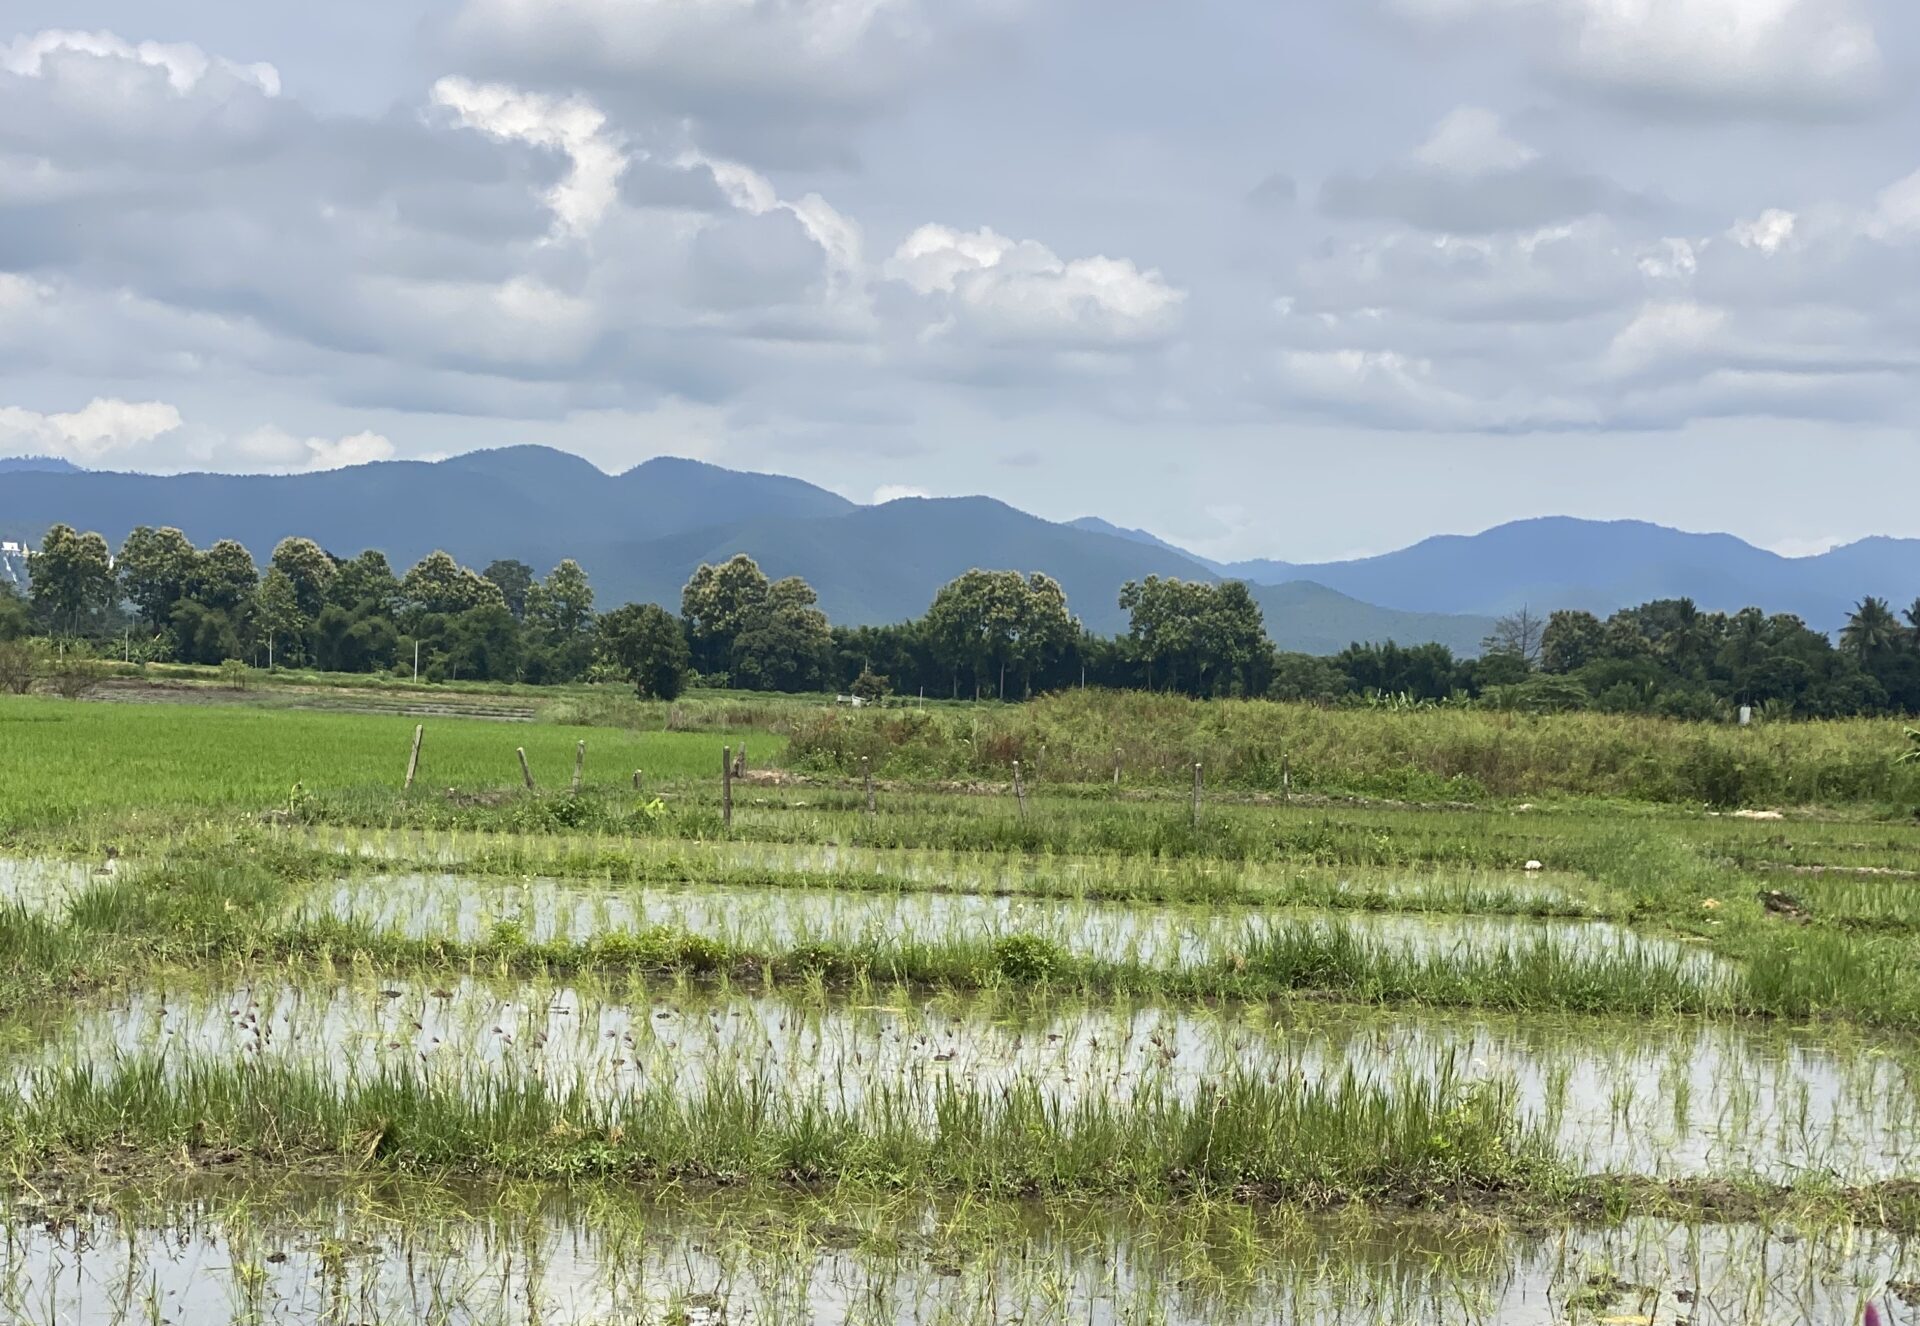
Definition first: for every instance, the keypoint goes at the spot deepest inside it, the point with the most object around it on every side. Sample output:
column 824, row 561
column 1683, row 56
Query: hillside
column 642, row 533
column 1557, row 561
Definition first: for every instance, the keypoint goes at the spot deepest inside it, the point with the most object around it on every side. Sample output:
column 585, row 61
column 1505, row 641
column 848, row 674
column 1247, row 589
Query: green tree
column 1871, row 630
column 15, row 620
column 1203, row 638
column 224, row 579
column 717, row 605
column 1912, row 614
column 366, row 586
column 1570, row 641
column 785, row 644
column 439, row 586
column 482, row 643
column 309, row 572
column 515, row 579
column 276, row 610
column 646, row 644
column 993, row 621
column 72, row 580
column 559, row 617
column 156, row 570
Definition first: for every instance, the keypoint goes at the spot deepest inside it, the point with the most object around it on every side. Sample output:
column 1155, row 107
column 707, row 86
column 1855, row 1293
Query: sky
column 1304, row 280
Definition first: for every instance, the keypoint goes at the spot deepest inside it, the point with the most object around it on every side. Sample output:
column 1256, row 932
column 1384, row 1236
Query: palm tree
column 1872, row 629
column 1912, row 614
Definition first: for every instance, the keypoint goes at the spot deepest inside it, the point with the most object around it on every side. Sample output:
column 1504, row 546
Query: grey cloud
column 1534, row 195
column 1275, row 193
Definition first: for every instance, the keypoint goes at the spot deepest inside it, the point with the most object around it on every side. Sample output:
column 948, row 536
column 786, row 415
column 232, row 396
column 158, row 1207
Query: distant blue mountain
column 642, row 533
column 1560, row 562
column 37, row 465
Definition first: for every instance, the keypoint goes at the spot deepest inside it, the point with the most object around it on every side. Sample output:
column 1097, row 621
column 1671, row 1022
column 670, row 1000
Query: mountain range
column 640, row 534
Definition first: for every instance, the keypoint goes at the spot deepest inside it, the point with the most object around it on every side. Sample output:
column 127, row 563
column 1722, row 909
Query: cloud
column 1006, row 290
column 186, row 66
column 99, row 430
column 1470, row 177
column 894, row 492
column 274, row 449
column 1765, row 58
column 572, row 126
column 770, row 78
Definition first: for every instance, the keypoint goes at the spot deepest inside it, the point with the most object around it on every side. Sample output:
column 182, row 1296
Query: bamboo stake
column 413, row 760
column 579, row 764
column 1019, row 789
column 726, row 786
column 526, row 770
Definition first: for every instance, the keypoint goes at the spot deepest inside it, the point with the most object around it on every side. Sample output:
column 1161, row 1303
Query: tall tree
column 645, row 642
column 1198, row 637
column 366, row 586
column 439, row 586
column 785, row 643
column 1912, row 614
column 1518, row 635
column 277, row 614
column 515, row 579
column 309, row 571
column 156, row 570
column 1570, row 641
column 224, row 579
column 72, row 579
column 717, row 604
column 1871, row 630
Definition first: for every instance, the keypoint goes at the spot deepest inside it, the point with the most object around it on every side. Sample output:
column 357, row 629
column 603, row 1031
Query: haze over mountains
column 641, row 533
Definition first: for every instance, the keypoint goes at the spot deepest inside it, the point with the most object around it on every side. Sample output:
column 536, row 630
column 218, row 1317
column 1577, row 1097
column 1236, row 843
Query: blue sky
column 1302, row 280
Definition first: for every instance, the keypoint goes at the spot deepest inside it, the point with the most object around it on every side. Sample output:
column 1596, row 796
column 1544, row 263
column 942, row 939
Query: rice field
column 287, row 1043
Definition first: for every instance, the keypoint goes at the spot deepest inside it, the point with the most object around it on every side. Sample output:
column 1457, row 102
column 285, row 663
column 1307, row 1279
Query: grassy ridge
column 1437, row 754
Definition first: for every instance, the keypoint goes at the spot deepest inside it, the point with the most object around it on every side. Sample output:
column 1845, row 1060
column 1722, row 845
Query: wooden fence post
column 866, row 772
column 726, row 786
column 638, row 781
column 1286, row 779
column 740, row 762
column 1196, row 796
column 1019, row 790
column 1116, row 767
column 579, row 764
column 413, row 759
column 526, row 770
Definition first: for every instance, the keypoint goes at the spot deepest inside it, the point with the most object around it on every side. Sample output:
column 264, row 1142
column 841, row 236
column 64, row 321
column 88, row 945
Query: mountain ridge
column 640, row 533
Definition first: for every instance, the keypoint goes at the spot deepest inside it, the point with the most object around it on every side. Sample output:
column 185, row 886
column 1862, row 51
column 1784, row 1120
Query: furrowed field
column 1400, row 1017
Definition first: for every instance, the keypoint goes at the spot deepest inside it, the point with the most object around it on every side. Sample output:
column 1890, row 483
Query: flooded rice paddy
column 764, row 920
column 394, row 1254
column 1668, row 1099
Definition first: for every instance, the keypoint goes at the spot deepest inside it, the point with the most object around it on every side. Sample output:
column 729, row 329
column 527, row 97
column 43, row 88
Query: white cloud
column 1020, row 290
column 274, row 449
column 1768, row 232
column 894, row 492
column 1472, row 141
column 571, row 125
column 186, row 65
column 1663, row 332
column 96, row 431
column 1756, row 56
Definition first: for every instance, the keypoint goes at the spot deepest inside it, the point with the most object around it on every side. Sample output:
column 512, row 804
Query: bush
column 1028, row 958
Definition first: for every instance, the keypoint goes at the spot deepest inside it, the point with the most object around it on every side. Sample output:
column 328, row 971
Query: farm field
column 883, row 1043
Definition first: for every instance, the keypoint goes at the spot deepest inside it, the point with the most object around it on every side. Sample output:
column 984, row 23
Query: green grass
column 1425, row 755
column 74, row 763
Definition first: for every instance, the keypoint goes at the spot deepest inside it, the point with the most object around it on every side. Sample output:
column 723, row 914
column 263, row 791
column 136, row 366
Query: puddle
column 770, row 920
column 402, row 1254
column 43, row 886
column 1665, row 1098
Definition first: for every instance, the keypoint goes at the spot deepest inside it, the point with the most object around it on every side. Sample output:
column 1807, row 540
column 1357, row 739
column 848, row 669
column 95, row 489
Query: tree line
column 999, row 634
